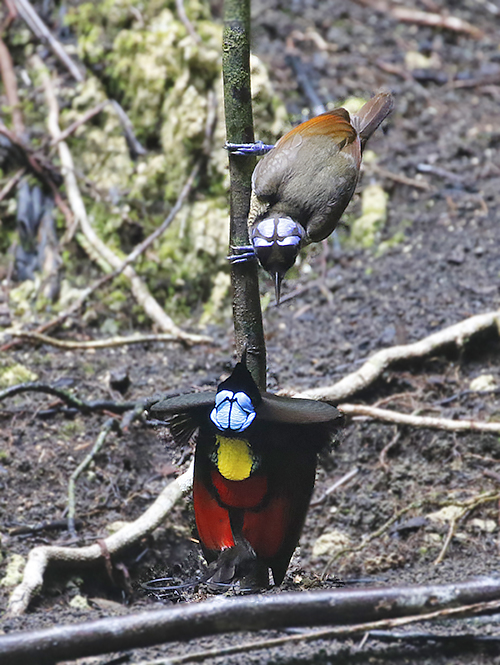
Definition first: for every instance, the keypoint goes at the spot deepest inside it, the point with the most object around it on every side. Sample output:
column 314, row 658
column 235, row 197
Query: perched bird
column 302, row 186
column 254, row 472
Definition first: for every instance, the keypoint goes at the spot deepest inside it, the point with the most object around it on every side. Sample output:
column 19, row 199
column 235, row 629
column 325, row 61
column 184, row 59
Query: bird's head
column 276, row 241
column 236, row 400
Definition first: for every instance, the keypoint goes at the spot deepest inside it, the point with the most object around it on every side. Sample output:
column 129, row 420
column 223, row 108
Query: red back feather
column 335, row 124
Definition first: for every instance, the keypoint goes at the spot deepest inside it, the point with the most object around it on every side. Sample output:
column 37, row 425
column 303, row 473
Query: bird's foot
column 241, row 254
column 257, row 148
column 238, row 564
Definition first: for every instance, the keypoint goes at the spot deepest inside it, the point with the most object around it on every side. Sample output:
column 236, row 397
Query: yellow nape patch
column 234, row 458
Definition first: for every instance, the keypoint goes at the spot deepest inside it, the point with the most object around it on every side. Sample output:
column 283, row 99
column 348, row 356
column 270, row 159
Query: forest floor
column 445, row 268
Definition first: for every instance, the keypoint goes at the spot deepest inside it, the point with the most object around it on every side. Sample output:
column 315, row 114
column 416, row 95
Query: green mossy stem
column 247, row 315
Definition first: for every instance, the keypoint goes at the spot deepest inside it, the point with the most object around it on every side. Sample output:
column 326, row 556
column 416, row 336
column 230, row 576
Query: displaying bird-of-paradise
column 255, row 465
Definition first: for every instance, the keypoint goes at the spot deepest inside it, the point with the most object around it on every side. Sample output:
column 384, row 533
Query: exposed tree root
column 108, row 343
column 388, row 416
column 40, row 557
column 373, row 368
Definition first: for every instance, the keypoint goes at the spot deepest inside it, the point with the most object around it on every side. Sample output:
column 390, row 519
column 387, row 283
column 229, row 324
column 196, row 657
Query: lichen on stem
column 247, row 315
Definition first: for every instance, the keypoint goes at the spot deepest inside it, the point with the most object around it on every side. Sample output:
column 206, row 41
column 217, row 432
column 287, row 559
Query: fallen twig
column 40, row 557
column 451, row 532
column 147, row 242
column 388, row 416
column 108, row 426
column 40, row 30
column 382, row 459
column 69, row 399
column 12, row 183
column 341, row 606
column 108, row 343
column 10, row 86
column 400, row 178
column 433, row 19
column 11, row 16
column 179, row 4
column 134, row 147
column 474, row 82
column 341, row 481
column 436, row 21
column 303, row 78
column 466, row 505
column 78, row 123
column 374, row 367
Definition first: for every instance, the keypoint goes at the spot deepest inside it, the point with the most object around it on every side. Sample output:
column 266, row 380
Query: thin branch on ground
column 388, row 416
column 72, row 401
column 9, row 186
column 333, row 488
column 108, row 427
column 147, row 242
column 300, row 290
column 372, row 536
column 399, row 178
column 476, row 81
column 134, row 147
column 451, row 532
column 71, row 129
column 344, row 607
column 27, row 12
column 432, row 19
column 468, row 505
column 41, row 557
column 466, row 508
column 453, row 23
column 458, row 335
column 11, row 16
column 110, row 342
column 179, row 4
column 383, row 453
column 10, row 87
column 139, row 289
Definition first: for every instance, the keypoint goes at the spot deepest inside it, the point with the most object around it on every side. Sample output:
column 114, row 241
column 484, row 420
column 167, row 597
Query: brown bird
column 302, row 186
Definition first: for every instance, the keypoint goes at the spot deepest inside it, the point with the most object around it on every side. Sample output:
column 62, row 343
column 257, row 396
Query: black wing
column 184, row 413
column 297, row 411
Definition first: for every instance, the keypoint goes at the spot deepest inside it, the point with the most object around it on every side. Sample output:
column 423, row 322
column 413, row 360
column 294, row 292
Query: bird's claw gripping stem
column 241, row 254
column 257, row 148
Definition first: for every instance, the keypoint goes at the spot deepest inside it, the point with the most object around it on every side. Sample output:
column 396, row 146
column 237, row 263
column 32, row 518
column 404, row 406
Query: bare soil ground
column 446, row 268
